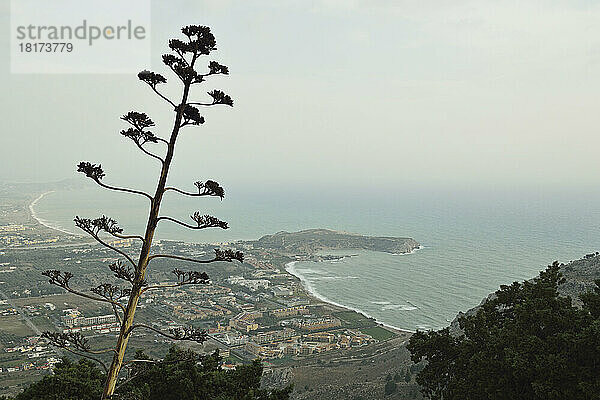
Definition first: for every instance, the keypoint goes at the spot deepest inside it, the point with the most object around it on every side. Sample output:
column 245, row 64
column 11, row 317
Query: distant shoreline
column 42, row 221
column 290, row 268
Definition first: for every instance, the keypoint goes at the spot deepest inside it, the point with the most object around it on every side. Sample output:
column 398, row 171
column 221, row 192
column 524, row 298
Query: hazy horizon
column 341, row 94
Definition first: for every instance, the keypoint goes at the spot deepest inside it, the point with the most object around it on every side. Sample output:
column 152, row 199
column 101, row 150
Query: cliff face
column 580, row 276
column 312, row 240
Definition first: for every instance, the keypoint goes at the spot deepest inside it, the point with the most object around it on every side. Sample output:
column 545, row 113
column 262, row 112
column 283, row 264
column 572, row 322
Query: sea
column 471, row 241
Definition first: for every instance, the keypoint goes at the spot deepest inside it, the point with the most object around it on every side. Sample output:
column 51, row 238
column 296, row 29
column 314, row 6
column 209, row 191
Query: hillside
column 579, row 278
column 364, row 377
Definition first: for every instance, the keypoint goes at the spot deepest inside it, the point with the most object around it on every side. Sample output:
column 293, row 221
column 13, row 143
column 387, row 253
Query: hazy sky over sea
column 368, row 93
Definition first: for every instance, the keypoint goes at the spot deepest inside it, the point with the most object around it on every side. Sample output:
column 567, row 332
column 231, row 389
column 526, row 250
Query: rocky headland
column 311, row 241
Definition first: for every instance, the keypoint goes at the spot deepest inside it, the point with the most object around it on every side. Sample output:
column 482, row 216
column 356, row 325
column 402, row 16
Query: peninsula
column 310, row 241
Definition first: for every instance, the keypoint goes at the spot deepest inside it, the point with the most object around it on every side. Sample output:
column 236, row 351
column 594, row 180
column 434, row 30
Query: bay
column 471, row 242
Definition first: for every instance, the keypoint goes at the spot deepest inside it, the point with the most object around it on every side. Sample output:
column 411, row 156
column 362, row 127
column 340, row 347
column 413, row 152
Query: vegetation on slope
column 525, row 342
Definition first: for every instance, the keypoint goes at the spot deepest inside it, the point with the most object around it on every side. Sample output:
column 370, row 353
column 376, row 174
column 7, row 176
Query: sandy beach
column 43, row 222
column 290, row 268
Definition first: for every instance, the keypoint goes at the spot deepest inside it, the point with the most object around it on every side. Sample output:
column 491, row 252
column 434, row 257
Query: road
column 25, row 318
column 45, row 247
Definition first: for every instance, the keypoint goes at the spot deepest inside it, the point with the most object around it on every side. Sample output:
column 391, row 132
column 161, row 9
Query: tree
column 526, row 342
column 71, row 381
column 390, row 387
column 184, row 375
column 181, row 375
column 182, row 61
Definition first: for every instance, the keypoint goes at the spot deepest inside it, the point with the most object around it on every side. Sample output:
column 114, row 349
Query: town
column 249, row 310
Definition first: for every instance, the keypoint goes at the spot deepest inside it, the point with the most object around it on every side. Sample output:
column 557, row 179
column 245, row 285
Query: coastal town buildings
column 250, row 310
column 72, row 321
column 316, row 324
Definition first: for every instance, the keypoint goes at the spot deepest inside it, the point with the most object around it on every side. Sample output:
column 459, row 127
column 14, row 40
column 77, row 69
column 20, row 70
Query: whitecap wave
column 309, row 271
column 342, row 259
column 326, row 278
column 330, row 278
column 399, row 307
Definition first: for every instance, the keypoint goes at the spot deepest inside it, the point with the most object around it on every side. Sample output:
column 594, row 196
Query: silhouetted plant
column 182, row 61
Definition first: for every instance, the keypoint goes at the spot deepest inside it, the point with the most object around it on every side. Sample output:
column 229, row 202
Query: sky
column 338, row 94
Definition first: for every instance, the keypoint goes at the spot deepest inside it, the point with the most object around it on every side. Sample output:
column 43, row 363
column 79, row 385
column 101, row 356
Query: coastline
column 42, row 221
column 419, row 247
column 291, row 269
